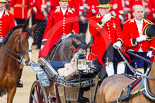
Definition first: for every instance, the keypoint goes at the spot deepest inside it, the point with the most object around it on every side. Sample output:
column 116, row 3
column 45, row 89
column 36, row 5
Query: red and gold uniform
column 7, row 22
column 58, row 24
column 117, row 9
column 92, row 11
column 54, row 4
column 130, row 33
column 75, row 5
column 151, row 7
column 104, row 34
column 40, row 6
column 127, row 7
column 20, row 8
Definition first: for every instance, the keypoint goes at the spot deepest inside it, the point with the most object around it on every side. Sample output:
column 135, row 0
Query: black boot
column 20, row 83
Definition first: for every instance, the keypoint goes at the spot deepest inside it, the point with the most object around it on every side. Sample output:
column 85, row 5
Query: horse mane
column 78, row 36
column 10, row 32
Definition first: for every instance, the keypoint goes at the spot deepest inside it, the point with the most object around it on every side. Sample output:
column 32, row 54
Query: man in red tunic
column 62, row 22
column 6, row 20
column 87, row 10
column 151, row 7
column 117, row 9
column 105, row 29
column 135, row 41
column 40, row 16
column 21, row 10
column 54, row 4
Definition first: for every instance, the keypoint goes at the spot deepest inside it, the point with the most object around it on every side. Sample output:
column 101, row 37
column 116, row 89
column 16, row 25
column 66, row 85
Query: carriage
column 50, row 87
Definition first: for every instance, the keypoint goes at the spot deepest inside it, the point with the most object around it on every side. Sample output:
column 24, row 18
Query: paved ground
column 28, row 77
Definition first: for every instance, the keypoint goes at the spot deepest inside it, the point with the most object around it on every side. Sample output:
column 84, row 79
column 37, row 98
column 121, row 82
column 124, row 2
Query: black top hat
column 104, row 4
column 149, row 30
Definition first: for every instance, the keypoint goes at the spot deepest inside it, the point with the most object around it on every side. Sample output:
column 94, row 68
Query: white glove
column 93, row 11
column 44, row 13
column 64, row 36
column 68, row 35
column 106, row 18
column 141, row 38
column 34, row 9
column 117, row 45
column 1, row 40
column 41, row 47
column 149, row 54
column 43, row 43
column 121, row 18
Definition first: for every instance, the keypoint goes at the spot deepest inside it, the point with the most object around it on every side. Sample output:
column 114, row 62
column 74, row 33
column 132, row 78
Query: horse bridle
column 59, row 46
column 21, row 52
column 73, row 48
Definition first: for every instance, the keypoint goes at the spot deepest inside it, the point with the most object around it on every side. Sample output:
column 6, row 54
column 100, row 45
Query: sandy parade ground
column 28, row 77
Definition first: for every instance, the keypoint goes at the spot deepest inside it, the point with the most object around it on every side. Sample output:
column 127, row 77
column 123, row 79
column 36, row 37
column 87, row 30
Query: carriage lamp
column 80, row 62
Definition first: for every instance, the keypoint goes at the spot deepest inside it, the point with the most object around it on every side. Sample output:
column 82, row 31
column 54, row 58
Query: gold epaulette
column 6, row 13
column 148, row 21
column 57, row 10
column 98, row 15
column 128, row 21
column 70, row 11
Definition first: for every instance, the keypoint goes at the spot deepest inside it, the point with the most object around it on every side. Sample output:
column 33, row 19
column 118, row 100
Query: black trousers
column 83, row 28
column 39, row 32
column 21, row 21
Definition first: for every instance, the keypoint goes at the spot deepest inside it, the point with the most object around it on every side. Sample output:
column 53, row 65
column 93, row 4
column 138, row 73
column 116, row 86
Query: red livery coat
column 75, row 5
column 130, row 33
column 103, row 35
column 117, row 8
column 151, row 7
column 92, row 7
column 21, row 8
column 40, row 5
column 58, row 24
column 7, row 22
column 54, row 4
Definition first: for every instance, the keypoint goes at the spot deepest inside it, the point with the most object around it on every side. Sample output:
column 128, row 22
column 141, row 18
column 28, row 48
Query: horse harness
column 144, row 89
column 28, row 32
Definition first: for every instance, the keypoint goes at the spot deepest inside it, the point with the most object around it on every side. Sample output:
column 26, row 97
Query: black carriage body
column 74, row 92
column 70, row 89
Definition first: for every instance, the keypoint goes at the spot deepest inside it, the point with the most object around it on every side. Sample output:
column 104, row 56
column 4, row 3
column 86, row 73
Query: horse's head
column 23, row 44
column 65, row 50
column 78, row 41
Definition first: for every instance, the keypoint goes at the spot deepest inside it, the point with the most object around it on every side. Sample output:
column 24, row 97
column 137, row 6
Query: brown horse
column 64, row 50
column 16, row 49
column 111, row 88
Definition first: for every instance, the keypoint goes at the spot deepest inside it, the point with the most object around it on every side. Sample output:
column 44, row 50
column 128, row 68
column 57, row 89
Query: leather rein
column 144, row 85
column 20, row 54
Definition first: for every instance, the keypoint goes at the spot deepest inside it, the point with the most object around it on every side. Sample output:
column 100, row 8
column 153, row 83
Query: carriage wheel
column 38, row 93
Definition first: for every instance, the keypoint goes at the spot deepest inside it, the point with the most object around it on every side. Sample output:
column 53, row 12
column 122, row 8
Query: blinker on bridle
column 19, row 42
column 20, row 49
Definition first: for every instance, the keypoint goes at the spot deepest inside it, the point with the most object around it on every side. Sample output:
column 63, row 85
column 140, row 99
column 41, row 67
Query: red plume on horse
column 16, row 49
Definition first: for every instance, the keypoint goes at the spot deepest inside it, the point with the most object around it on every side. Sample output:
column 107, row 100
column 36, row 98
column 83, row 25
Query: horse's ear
column 24, row 27
column 33, row 27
